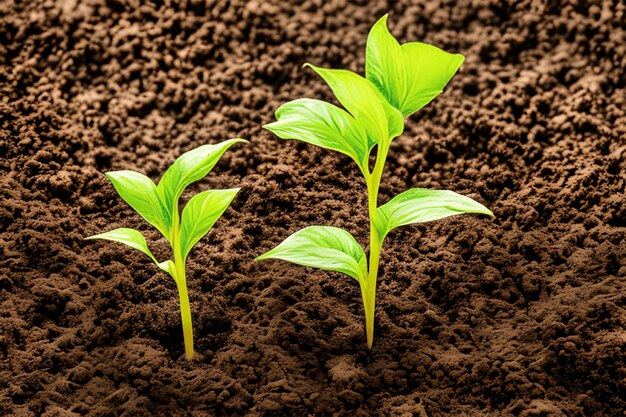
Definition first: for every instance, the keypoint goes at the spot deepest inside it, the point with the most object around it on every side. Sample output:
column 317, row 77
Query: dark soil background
column 522, row 315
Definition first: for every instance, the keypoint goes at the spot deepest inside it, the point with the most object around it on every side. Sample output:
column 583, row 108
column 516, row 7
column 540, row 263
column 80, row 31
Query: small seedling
column 158, row 205
column 400, row 80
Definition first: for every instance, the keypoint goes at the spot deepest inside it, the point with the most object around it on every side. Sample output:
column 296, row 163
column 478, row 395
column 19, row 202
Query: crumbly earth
column 520, row 315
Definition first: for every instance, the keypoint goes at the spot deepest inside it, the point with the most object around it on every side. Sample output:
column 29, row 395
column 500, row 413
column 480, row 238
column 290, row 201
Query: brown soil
column 523, row 315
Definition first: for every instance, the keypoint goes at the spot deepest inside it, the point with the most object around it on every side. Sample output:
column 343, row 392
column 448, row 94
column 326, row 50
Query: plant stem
column 185, row 311
column 181, row 283
column 368, row 288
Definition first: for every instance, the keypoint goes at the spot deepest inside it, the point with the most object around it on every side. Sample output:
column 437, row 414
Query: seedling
column 399, row 80
column 158, row 205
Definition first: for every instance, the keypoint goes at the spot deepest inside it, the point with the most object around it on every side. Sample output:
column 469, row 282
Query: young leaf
column 365, row 103
column 188, row 168
column 169, row 267
column 421, row 205
column 322, row 124
column 408, row 75
column 200, row 214
column 141, row 194
column 323, row 247
column 129, row 237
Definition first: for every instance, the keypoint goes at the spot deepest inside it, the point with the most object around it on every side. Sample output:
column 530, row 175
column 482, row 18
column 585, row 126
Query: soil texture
column 520, row 315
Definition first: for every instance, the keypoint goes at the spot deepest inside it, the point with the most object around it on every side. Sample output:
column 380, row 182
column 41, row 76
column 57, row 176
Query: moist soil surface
column 520, row 315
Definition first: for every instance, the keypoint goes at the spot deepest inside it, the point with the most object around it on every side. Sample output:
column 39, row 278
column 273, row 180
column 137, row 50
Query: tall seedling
column 399, row 80
column 158, row 205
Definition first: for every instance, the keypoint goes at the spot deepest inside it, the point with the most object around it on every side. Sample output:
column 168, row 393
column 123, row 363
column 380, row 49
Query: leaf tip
column 267, row 255
column 273, row 127
column 322, row 72
column 380, row 25
column 234, row 191
column 483, row 210
column 114, row 176
column 459, row 59
column 313, row 67
column 261, row 257
column 383, row 19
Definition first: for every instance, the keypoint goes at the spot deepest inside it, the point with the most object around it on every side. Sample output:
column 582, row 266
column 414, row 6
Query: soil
column 520, row 315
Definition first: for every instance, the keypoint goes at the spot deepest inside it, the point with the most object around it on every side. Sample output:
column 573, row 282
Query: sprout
column 158, row 205
column 400, row 80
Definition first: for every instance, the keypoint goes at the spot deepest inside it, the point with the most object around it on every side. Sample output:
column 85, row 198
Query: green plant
column 159, row 206
column 400, row 79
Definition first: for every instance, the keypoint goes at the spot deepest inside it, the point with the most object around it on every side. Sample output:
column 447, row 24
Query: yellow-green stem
column 368, row 288
column 185, row 312
column 181, row 284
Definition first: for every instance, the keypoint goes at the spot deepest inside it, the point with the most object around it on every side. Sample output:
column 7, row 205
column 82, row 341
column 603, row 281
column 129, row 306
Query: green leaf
column 421, row 205
column 199, row 215
column 322, row 124
column 408, row 75
column 169, row 267
column 323, row 247
column 188, row 168
column 141, row 194
column 365, row 103
column 129, row 237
